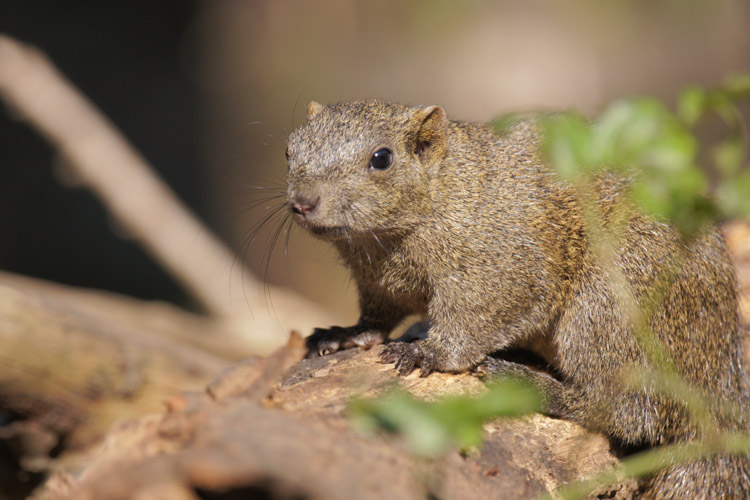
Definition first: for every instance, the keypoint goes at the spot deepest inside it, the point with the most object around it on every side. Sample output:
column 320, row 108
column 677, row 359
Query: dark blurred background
column 130, row 59
column 207, row 91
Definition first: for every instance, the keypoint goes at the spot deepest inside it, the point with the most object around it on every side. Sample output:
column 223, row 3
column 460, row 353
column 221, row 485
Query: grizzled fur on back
column 473, row 231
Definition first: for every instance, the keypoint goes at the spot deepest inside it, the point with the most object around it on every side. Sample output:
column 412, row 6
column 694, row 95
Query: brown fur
column 473, row 231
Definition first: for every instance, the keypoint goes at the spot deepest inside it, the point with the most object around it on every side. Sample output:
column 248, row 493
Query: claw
column 484, row 370
column 407, row 358
column 321, row 343
column 325, row 341
column 427, row 365
column 388, row 355
column 405, row 365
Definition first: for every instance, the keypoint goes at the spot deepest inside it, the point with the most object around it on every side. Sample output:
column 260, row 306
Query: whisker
column 375, row 236
column 267, row 258
column 263, row 181
column 372, row 232
column 263, row 198
column 250, row 238
column 245, row 206
column 252, row 186
column 270, row 215
column 358, row 212
column 289, row 225
column 363, row 246
column 269, row 252
column 352, row 246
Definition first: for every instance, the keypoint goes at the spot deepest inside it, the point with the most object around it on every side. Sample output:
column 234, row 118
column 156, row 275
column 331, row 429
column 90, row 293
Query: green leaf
column 502, row 124
column 677, row 198
column 399, row 413
column 738, row 86
column 430, row 429
column 728, row 156
column 641, row 133
column 691, row 105
column 733, row 196
column 722, row 104
column 607, row 136
column 672, row 152
column 566, row 145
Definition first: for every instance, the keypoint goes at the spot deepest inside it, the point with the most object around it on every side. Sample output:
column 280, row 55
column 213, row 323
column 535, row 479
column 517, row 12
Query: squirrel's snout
column 303, row 206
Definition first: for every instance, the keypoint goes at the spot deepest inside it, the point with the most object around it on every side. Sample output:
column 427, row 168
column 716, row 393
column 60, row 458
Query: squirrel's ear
column 433, row 126
column 313, row 109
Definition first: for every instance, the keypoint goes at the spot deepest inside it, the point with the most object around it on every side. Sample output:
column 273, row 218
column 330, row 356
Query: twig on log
column 256, row 377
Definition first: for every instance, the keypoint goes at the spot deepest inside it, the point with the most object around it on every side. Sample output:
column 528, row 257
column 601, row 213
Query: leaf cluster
column 641, row 137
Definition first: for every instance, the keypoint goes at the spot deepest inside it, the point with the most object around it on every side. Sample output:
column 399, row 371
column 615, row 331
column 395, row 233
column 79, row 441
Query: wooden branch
column 298, row 444
column 75, row 361
column 73, row 365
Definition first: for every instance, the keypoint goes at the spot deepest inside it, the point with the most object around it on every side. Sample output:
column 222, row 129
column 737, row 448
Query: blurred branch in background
column 102, row 160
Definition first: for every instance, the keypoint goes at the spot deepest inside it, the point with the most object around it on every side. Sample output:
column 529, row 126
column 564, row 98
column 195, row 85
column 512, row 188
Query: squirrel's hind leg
column 556, row 398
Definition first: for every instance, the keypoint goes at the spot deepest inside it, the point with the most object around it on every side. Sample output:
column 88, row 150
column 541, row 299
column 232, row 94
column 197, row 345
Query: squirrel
column 471, row 229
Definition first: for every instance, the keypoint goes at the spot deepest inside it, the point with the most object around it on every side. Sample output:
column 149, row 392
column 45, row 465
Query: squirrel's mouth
column 329, row 232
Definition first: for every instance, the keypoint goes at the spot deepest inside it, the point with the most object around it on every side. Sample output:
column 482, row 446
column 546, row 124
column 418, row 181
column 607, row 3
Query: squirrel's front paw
column 409, row 355
column 324, row 341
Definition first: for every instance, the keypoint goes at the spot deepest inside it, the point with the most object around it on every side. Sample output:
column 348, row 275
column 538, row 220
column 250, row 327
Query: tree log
column 74, row 362
column 291, row 439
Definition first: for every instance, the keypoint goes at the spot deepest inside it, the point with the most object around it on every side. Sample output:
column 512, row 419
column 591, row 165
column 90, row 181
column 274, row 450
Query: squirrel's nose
column 303, row 206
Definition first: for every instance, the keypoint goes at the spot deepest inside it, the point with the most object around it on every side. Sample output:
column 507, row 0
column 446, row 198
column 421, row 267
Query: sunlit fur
column 472, row 230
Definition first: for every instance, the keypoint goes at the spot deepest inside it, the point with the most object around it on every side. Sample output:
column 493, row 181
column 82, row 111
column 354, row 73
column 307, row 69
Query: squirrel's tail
column 717, row 477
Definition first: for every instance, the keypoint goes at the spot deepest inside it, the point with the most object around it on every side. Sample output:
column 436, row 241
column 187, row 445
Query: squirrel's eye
column 287, row 154
column 381, row 159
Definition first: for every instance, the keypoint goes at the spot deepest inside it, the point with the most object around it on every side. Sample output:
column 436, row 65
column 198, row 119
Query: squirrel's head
column 364, row 168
